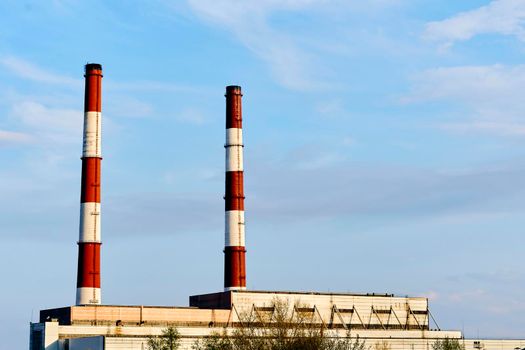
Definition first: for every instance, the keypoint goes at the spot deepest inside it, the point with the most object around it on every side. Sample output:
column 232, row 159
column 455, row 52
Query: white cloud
column 483, row 288
column 332, row 108
column 41, row 117
column 349, row 141
column 128, row 107
column 27, row 70
column 13, row 137
column 191, row 116
column 290, row 65
column 464, row 295
column 48, row 124
column 297, row 59
column 355, row 190
column 502, row 128
column 505, row 17
column 319, row 161
column 432, row 295
column 491, row 96
column 231, row 12
column 475, row 84
column 156, row 210
column 153, row 86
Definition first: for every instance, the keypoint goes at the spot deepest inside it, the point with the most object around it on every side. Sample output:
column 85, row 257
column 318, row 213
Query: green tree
column 168, row 340
column 448, row 344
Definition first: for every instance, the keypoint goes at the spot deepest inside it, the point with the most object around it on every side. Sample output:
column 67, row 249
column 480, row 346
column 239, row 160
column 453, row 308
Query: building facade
column 400, row 322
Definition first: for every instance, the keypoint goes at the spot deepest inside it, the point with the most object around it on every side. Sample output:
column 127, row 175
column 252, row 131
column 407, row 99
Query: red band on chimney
column 234, row 198
column 88, row 265
column 234, row 267
column 90, row 187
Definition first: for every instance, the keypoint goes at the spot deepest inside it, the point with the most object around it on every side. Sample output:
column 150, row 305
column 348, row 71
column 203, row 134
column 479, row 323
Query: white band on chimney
column 235, row 228
column 92, row 135
column 88, row 295
column 89, row 222
column 233, row 136
column 234, row 158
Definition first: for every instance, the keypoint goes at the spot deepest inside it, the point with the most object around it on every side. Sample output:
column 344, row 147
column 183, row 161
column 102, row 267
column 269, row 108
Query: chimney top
column 93, row 66
column 233, row 89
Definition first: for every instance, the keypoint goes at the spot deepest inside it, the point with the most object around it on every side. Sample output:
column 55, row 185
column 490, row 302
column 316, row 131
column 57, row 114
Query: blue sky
column 385, row 150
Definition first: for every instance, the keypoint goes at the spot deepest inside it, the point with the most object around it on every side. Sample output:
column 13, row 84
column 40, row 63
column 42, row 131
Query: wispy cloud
column 199, row 212
column 249, row 22
column 501, row 128
column 30, row 71
column 38, row 116
column 43, row 117
column 13, row 137
column 152, row 86
column 191, row 116
column 298, row 58
column 41, row 125
column 344, row 190
column 505, row 17
column 332, row 109
column 505, row 277
column 128, row 107
column 475, row 84
column 491, row 96
column 499, row 289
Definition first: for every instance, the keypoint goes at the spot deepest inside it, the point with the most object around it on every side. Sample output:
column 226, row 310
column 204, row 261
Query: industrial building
column 402, row 322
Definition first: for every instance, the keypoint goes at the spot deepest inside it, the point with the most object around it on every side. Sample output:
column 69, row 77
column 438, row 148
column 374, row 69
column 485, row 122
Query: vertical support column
column 89, row 242
column 234, row 251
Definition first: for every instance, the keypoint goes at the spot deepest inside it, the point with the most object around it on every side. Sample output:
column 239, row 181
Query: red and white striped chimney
column 88, row 275
column 234, row 251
